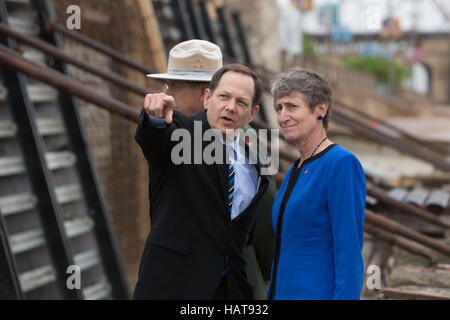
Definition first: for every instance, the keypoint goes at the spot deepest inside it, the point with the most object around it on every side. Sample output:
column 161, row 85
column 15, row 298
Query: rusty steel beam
column 406, row 147
column 399, row 241
column 412, row 295
column 59, row 54
column 98, row 46
column 394, row 227
column 11, row 59
column 405, row 207
column 433, row 146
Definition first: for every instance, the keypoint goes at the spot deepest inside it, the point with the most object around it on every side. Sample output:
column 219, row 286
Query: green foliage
column 378, row 66
column 308, row 47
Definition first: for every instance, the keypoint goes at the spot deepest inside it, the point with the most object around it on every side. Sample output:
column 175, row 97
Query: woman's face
column 295, row 117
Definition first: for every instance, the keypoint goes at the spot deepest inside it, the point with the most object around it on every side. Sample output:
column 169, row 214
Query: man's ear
column 253, row 113
column 206, row 98
column 204, row 87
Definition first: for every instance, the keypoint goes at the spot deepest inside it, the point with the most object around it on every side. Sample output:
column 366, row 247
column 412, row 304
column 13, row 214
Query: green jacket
column 260, row 253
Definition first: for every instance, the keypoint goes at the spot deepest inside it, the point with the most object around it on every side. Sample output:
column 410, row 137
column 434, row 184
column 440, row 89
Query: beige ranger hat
column 192, row 60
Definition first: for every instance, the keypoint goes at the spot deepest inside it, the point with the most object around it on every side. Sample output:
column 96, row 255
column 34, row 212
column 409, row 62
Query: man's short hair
column 239, row 68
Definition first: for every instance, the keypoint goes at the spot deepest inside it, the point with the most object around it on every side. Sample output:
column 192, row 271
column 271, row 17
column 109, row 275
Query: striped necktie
column 230, row 186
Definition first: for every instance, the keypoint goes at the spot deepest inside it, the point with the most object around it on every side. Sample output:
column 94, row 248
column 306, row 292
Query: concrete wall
column 260, row 20
column 436, row 53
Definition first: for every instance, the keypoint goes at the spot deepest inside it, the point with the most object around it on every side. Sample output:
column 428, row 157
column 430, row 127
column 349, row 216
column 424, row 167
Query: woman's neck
column 307, row 146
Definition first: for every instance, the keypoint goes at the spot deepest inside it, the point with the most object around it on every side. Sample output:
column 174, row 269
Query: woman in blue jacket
column 318, row 214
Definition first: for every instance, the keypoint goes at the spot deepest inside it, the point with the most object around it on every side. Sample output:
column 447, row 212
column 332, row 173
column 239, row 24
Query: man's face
column 188, row 95
column 230, row 105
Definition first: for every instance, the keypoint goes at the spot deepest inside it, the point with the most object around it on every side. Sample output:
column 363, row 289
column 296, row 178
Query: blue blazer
column 320, row 237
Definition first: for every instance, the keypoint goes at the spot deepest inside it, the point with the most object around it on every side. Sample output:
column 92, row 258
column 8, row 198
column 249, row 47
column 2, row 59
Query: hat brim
column 187, row 77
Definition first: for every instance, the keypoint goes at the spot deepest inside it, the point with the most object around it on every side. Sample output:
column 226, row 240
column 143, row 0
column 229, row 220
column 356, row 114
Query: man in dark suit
column 201, row 214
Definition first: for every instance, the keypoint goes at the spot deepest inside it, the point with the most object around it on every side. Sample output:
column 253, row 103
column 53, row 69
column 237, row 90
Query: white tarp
column 290, row 27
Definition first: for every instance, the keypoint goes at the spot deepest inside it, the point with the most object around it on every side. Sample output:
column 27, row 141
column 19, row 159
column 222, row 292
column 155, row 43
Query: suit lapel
column 222, row 172
column 221, row 169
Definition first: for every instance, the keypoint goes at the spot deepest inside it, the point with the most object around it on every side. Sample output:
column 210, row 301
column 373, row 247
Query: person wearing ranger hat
column 190, row 68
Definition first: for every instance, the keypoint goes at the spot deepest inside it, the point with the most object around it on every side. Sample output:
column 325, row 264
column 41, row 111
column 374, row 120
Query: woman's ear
column 321, row 109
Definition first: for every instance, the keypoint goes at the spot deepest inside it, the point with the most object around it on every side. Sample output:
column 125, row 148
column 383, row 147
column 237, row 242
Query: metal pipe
column 59, row 54
column 12, row 60
column 398, row 241
column 394, row 227
column 405, row 207
column 412, row 295
column 96, row 45
column 404, row 146
column 436, row 148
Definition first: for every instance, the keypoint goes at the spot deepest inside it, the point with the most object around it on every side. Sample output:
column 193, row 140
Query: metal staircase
column 53, row 213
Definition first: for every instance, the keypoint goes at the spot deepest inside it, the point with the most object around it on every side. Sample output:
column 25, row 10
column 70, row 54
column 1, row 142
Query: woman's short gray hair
column 311, row 84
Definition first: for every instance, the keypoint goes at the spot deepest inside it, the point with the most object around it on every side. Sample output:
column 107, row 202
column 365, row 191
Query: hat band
column 189, row 72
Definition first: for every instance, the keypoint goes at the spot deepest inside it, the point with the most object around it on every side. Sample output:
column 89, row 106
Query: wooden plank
column 153, row 34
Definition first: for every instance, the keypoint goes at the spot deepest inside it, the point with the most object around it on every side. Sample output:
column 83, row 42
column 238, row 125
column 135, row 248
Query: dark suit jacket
column 192, row 237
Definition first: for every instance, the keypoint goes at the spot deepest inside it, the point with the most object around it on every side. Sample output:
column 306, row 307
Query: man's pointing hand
column 160, row 105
